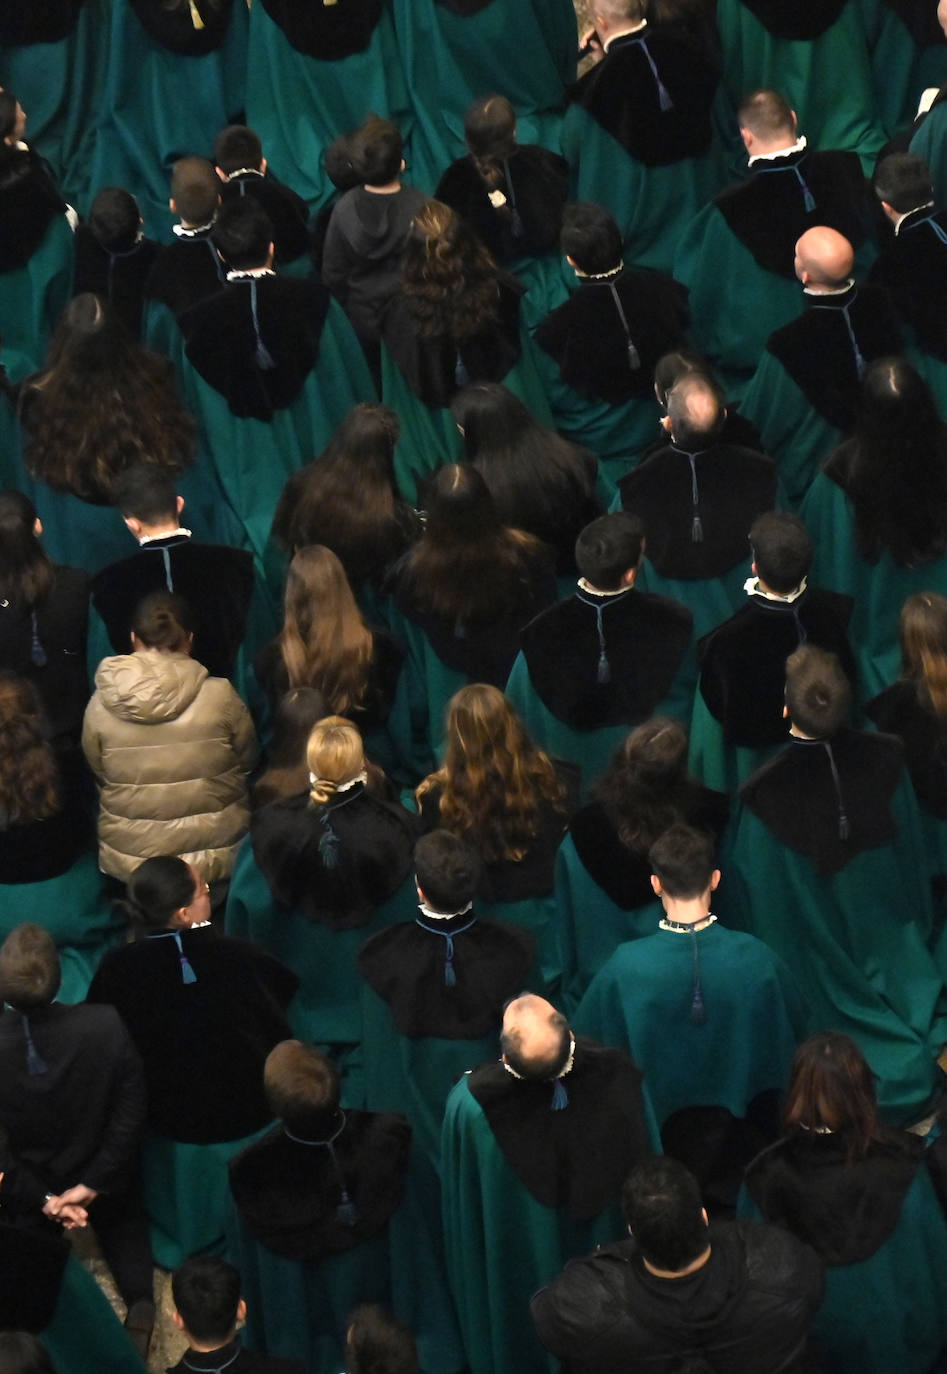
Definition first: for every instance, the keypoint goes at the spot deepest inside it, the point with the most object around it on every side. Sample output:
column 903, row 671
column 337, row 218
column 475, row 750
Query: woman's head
column 490, row 128
column 484, row 733
column 491, row 417
column 29, row 777
column 335, row 756
column 166, row 893
column 924, row 647
column 646, row 789
column 297, row 711
column 164, row 621
column 448, row 275
column 460, row 509
column 832, row 1088
column 26, row 572
column 325, row 642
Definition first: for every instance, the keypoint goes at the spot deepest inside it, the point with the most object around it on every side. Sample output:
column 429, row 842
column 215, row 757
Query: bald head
column 535, row 1039
column 695, row 410
column 824, row 257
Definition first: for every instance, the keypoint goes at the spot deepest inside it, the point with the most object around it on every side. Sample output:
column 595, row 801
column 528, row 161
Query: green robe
column 794, row 433
column 32, row 299
column 930, row 143
column 902, row 69
column 85, row 1335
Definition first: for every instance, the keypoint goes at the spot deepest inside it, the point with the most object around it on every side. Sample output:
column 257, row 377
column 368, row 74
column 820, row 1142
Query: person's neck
column 686, row 911
column 691, row 1268
column 389, row 188
column 799, row 734
column 203, row 1348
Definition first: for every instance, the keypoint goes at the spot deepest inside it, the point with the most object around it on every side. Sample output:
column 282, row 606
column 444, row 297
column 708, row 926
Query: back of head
column 335, row 755
column 895, row 399
column 148, row 493
column 768, row 116
column 485, row 735
column 195, row 190
column 29, row 774
column 287, row 772
column 617, row 11
column 608, row 547
column 535, row 1040
column 661, row 1203
column 655, row 752
column 923, row 628
column 376, row 149
column 832, row 1087
column 206, row 1292
column 29, row 968
column 26, row 573
column 237, row 149
column 23, row 1353
column 670, row 368
column 818, row 693
column 492, row 418
column 163, row 620
column 448, row 871
column 824, row 257
column 696, row 409
column 782, row 550
column 88, row 335
column 115, row 219
column 904, row 181
column 365, row 442
column 242, row 234
column 301, row 1086
column 683, row 860
column 490, row 128
column 340, row 169
column 591, row 238
column 156, row 890
column 377, row 1343
column 460, row 508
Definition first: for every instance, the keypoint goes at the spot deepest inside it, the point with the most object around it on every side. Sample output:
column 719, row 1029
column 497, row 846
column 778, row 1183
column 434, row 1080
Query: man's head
column 608, row 552
column 782, row 550
column 195, row 191
column 661, row 1203
column 243, row 235
column 207, row 1301
column 767, row 122
column 535, row 1040
column 590, row 239
column 902, row 182
column 447, row 871
column 683, row 865
column 818, row 694
column 695, row 412
column 146, row 495
column 29, row 968
column 238, row 149
column 115, row 219
column 301, row 1085
column 377, row 151
column 824, row 257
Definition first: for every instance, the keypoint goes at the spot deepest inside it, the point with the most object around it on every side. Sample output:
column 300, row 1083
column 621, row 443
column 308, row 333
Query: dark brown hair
column 29, row 967
column 832, row 1087
column 448, row 276
column 29, row 777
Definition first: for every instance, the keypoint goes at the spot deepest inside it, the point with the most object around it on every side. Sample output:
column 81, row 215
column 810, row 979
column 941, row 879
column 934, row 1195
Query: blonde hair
column 924, row 648
column 335, row 756
column 324, row 642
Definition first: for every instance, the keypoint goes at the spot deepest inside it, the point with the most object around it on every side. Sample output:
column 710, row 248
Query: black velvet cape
column 62, row 620
column 578, row 1157
column 621, row 94
column 899, row 711
column 335, row 864
column 29, row 202
column 203, row 1044
column 39, row 21
column 406, row 963
column 794, row 796
column 920, row 19
column 540, row 184
column 913, row 267
column 646, row 639
column 221, row 344
column 743, row 661
column 287, row 211
column 185, row 272
column 327, row 32
column 768, row 213
column 586, row 337
column 119, row 277
column 788, row 19
column 734, row 486
column 287, row 1193
column 175, row 30
column 215, row 580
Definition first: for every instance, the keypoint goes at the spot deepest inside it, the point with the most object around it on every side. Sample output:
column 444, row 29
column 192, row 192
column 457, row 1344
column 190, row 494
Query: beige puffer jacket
column 171, row 748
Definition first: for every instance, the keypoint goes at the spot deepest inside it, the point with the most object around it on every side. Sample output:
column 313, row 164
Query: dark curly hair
column 448, row 276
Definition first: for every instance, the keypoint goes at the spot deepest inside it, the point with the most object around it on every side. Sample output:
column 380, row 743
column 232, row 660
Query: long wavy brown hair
column 101, row 404
column 924, row 649
column 832, row 1088
column 448, row 276
column 324, row 642
column 495, row 780
column 646, row 789
column 26, row 572
column 29, row 778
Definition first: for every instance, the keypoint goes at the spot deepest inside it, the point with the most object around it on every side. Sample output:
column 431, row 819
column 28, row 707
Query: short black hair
column 236, row 147
column 448, row 870
column 591, row 238
column 115, row 219
column 608, row 547
column 376, row 149
column 766, row 113
column 818, row 693
column 146, row 492
column 377, row 1343
column 661, row 1203
column 683, row 859
column 904, row 181
column 340, row 169
column 30, row 971
column 242, row 233
column 195, row 189
column 782, row 550
column 206, row 1292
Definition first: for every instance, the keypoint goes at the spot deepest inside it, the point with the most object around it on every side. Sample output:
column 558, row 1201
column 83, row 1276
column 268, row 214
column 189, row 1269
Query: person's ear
column 133, row 524
column 714, row 880
column 179, row 504
column 177, row 1321
column 656, row 887
column 241, row 1311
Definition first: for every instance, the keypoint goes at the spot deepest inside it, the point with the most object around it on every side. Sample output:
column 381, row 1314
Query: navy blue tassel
column 560, row 1098
column 843, row 826
column 263, row 356
column 808, row 200
column 450, row 977
column 35, row 1064
column 328, row 845
column 697, row 530
column 346, row 1214
column 37, row 652
column 604, row 668
column 187, row 973
column 634, row 358
column 698, row 1011
column 664, row 100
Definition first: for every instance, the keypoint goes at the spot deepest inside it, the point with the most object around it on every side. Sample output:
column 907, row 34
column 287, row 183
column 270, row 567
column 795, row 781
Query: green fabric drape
column 32, row 299
column 85, row 1336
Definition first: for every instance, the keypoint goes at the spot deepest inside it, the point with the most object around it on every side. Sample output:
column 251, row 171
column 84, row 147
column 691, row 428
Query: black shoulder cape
column 794, row 796
column 185, row 272
column 622, row 94
column 920, row 19
column 787, row 19
column 913, row 267
column 334, row 864
column 287, row 1193
column 845, row 1211
column 586, row 337
column 578, row 1157
column 768, row 213
column 407, row 966
column 288, row 212
column 119, row 277
column 536, row 184
column 646, row 638
column 40, row 21
column 328, row 32
column 733, row 486
column 175, row 29
column 61, row 624
column 29, row 202
column 899, row 711
column 743, row 661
